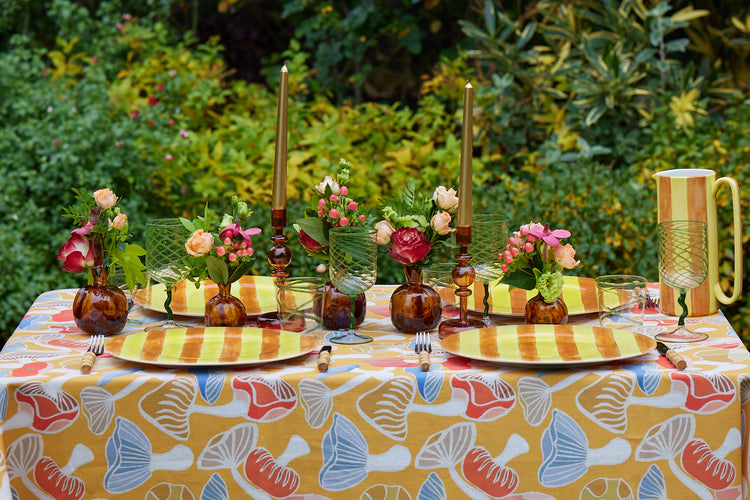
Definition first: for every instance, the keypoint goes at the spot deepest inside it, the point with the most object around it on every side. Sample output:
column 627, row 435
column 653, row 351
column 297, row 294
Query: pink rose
column 409, row 245
column 120, row 221
column 441, row 223
column 105, row 198
column 385, row 230
column 200, row 243
column 445, row 198
column 76, row 255
column 308, row 243
column 565, row 256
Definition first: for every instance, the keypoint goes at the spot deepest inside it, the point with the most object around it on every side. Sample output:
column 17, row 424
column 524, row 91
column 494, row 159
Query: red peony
column 409, row 245
column 77, row 254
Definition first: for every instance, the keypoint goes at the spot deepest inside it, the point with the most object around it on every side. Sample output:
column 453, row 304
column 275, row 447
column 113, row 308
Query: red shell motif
column 487, row 398
column 698, row 460
column 268, row 399
column 263, row 471
column 480, row 470
column 51, row 412
column 59, row 485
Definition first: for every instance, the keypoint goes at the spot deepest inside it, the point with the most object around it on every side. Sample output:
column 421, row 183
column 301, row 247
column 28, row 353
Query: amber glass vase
column 540, row 312
column 225, row 309
column 336, row 308
column 415, row 306
column 100, row 308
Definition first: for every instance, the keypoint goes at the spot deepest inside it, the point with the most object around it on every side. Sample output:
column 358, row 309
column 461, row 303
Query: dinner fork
column 423, row 347
column 95, row 348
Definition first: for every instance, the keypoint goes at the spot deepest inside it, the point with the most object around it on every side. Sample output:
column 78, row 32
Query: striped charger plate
column 257, row 293
column 579, row 294
column 553, row 345
column 209, row 346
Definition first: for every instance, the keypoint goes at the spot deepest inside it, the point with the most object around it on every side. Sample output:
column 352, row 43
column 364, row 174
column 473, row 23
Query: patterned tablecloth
column 374, row 426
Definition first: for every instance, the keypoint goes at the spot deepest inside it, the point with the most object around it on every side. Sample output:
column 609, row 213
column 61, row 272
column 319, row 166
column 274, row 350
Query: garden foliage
column 577, row 104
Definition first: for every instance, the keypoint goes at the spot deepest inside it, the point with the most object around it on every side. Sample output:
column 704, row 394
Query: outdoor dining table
column 374, row 425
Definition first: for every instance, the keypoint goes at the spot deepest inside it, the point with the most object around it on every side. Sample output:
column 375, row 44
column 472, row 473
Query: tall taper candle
column 279, row 158
column 467, row 140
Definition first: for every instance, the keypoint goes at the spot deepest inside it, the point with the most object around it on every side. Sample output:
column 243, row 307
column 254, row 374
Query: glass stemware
column 489, row 235
column 683, row 264
column 166, row 258
column 353, row 269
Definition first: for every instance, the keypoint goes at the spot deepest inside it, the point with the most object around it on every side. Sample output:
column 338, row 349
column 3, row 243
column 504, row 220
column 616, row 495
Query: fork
column 95, row 348
column 423, row 347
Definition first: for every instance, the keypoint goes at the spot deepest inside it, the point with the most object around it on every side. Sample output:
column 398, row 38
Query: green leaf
column 314, row 228
column 217, row 269
column 520, row 280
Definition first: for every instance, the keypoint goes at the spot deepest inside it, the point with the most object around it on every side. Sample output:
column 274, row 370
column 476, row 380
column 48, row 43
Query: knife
column 673, row 356
column 324, row 358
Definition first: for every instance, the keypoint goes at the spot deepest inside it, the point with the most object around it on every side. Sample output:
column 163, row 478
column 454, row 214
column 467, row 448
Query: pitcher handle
column 735, row 190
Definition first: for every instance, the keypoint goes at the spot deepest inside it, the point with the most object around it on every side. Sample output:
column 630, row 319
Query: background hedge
column 577, row 105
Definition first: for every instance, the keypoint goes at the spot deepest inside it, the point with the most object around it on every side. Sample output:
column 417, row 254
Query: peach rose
column 120, row 221
column 200, row 243
column 565, row 255
column 446, row 198
column 385, row 230
column 105, row 198
column 441, row 223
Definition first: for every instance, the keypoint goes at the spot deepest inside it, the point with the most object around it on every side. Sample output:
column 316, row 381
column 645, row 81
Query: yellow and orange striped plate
column 554, row 345
column 579, row 295
column 209, row 346
column 257, row 293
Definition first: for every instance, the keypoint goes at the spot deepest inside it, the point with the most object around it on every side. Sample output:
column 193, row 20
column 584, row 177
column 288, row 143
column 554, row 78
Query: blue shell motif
column 3, row 401
column 564, row 450
column 215, row 489
column 652, row 485
column 210, row 383
column 345, row 455
column 429, row 383
column 432, row 489
column 647, row 375
column 128, row 453
column 34, row 322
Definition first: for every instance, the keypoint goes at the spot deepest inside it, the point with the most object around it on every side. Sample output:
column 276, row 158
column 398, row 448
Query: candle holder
column 279, row 256
column 463, row 276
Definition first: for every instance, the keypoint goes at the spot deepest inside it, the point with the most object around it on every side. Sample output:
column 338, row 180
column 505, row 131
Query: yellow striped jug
column 690, row 194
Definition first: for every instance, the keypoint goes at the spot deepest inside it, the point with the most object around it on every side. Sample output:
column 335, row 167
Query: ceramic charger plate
column 579, row 294
column 210, row 346
column 257, row 293
column 550, row 345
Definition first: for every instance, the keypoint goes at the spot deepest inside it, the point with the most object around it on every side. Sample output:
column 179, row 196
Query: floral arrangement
column 100, row 239
column 534, row 258
column 414, row 223
column 225, row 254
column 331, row 207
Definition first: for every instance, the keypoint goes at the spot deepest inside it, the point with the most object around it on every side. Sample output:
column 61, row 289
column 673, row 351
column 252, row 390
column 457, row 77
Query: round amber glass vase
column 540, row 312
column 225, row 309
column 336, row 307
column 100, row 308
column 415, row 307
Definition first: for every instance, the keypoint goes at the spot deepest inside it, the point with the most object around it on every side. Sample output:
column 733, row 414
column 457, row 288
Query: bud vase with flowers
column 332, row 207
column 534, row 259
column 98, row 245
column 224, row 253
column 413, row 225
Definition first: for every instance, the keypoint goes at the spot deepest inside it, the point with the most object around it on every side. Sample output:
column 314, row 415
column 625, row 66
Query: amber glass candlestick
column 279, row 256
column 463, row 277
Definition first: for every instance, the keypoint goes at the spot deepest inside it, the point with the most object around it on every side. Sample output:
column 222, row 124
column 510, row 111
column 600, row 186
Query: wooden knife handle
column 87, row 362
column 677, row 360
column 324, row 359
column 424, row 361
